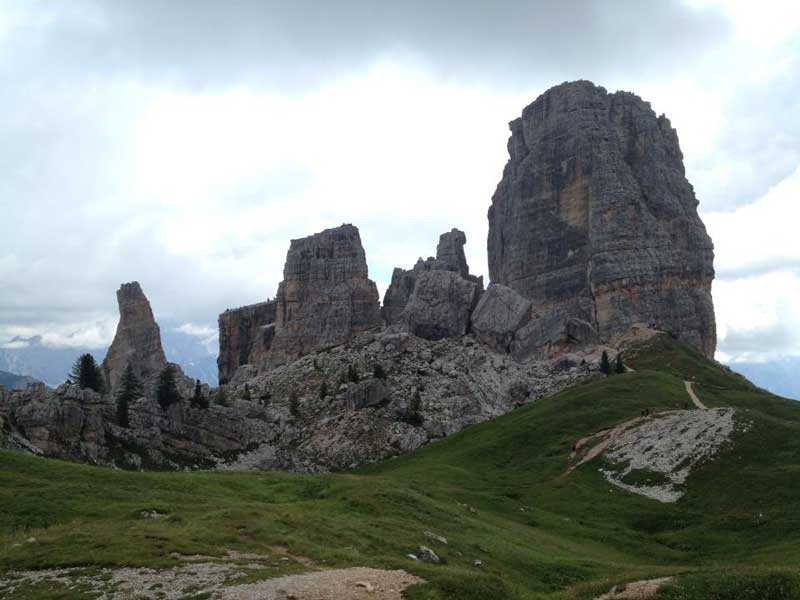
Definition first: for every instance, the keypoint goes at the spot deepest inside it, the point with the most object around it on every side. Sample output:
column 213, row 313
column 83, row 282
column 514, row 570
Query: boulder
column 500, row 313
column 372, row 392
column 594, row 220
column 440, row 306
column 434, row 299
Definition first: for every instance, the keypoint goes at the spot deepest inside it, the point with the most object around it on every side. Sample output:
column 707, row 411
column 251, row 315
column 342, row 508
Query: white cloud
column 758, row 318
column 195, row 330
column 760, row 237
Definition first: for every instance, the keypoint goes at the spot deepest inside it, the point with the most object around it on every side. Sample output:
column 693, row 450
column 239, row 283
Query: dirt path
column 218, row 581
column 358, row 583
column 638, row 590
column 693, row 396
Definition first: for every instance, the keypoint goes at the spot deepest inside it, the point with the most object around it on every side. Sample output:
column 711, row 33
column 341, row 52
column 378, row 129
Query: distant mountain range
column 12, row 381
column 198, row 357
column 780, row 376
column 29, row 356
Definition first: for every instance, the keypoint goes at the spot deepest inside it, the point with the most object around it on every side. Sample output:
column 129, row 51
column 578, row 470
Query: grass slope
column 497, row 491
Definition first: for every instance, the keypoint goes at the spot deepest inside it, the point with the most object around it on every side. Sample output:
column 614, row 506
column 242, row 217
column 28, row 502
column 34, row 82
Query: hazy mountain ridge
column 30, row 356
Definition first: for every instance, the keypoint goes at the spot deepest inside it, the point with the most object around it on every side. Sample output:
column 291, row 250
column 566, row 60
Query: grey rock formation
column 441, row 305
column 594, row 220
column 326, row 295
column 500, row 313
column 137, row 341
column 365, row 394
column 450, row 252
column 430, row 390
column 245, row 337
column 434, row 299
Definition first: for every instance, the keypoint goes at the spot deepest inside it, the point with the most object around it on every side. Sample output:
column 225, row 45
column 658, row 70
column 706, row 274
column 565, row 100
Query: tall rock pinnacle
column 137, row 341
column 595, row 223
column 326, row 295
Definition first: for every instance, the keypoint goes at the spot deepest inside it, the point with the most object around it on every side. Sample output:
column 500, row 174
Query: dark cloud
column 206, row 42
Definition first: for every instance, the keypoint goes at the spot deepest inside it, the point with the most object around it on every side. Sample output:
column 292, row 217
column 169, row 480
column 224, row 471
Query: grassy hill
column 498, row 491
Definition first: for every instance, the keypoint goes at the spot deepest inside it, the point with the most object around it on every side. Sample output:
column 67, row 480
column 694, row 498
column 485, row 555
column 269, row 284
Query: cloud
column 196, row 330
column 760, row 237
column 758, row 317
column 202, row 43
column 183, row 144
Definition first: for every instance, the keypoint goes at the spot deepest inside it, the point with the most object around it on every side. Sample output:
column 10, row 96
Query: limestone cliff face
column 137, row 341
column 245, row 337
column 595, row 223
column 435, row 298
column 326, row 295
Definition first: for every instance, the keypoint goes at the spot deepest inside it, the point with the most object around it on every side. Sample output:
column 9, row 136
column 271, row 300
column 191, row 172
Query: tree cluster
column 86, row 374
column 167, row 390
column 605, row 364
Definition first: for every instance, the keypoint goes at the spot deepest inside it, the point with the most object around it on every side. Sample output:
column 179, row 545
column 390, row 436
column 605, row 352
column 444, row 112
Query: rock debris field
column 653, row 457
column 219, row 579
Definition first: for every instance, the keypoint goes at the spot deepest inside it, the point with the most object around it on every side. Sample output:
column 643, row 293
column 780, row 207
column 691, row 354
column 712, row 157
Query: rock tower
column 596, row 225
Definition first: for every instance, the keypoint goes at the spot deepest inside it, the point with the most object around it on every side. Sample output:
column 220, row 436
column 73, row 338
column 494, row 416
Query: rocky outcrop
column 500, row 313
column 435, row 298
column 281, row 419
column 137, row 341
column 245, row 337
column 595, row 223
column 326, row 295
column 440, row 306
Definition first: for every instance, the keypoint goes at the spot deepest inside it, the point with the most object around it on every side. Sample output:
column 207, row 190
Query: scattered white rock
column 427, row 555
column 669, row 445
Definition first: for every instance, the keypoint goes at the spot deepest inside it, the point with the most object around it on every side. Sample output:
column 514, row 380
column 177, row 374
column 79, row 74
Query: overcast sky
column 183, row 144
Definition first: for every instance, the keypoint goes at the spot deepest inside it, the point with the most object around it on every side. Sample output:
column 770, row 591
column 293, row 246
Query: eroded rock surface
column 137, row 341
column 245, row 337
column 435, row 298
column 440, row 305
column 309, row 415
column 594, row 220
column 326, row 296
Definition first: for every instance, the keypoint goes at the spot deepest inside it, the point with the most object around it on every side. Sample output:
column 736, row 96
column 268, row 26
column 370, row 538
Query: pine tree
column 167, row 390
column 294, row 404
column 129, row 390
column 378, row 372
column 413, row 413
column 198, row 399
column 352, row 374
column 246, row 393
column 619, row 366
column 605, row 364
column 86, row 374
column 323, row 390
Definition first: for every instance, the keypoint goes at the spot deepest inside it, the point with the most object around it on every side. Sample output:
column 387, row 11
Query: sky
column 183, row 144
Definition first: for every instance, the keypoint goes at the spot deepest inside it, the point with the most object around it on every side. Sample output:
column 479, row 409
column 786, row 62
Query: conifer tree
column 198, row 399
column 378, row 372
column 167, row 390
column 86, row 374
column 605, row 364
column 323, row 390
column 619, row 366
column 352, row 374
column 413, row 413
column 129, row 390
column 246, row 393
column 294, row 404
